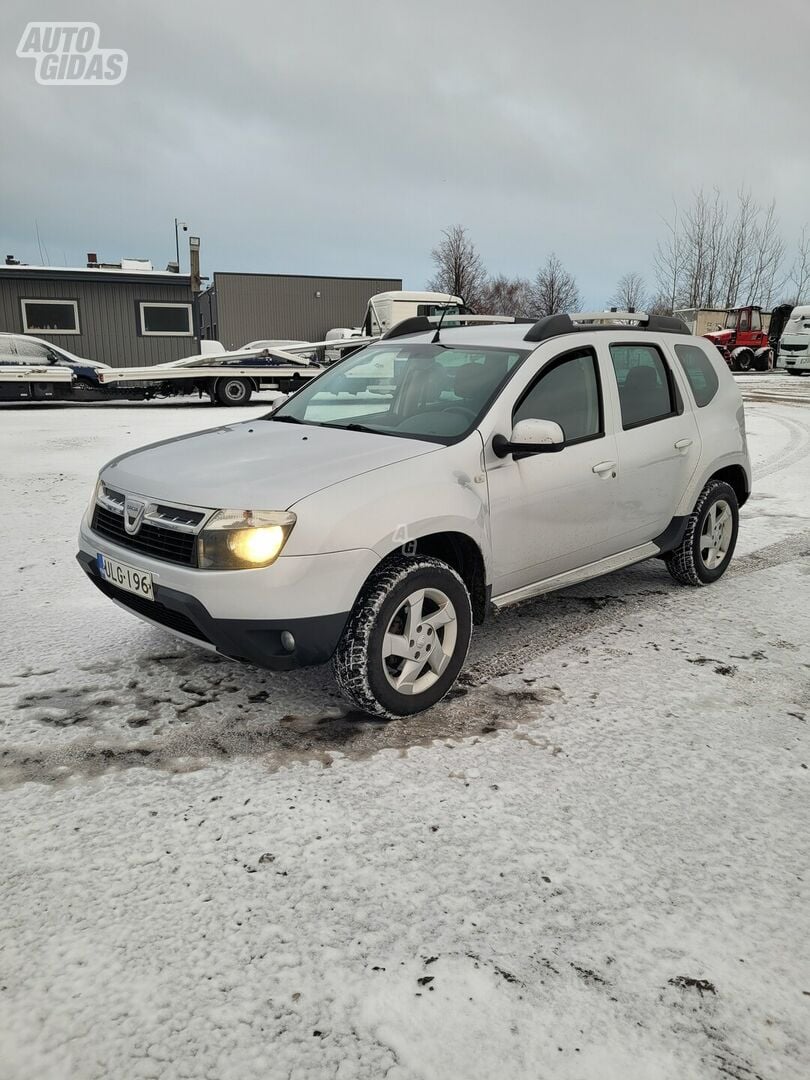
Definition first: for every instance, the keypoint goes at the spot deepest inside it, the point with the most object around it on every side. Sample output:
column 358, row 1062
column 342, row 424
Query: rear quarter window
column 699, row 371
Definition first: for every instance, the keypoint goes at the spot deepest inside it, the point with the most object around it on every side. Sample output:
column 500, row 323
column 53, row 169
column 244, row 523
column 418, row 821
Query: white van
column 794, row 344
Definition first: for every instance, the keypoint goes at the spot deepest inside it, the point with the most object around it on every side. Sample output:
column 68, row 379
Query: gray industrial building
column 238, row 308
column 124, row 314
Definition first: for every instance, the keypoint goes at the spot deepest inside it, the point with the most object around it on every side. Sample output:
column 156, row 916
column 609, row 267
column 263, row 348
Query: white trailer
column 227, row 378
column 20, row 382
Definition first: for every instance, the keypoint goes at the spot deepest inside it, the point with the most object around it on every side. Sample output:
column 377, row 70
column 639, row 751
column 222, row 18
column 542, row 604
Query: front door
column 553, row 512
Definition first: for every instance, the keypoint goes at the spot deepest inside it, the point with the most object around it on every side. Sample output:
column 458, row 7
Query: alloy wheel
column 419, row 641
column 715, row 536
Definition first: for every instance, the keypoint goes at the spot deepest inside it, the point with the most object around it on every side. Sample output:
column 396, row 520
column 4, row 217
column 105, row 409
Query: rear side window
column 699, row 372
column 646, row 389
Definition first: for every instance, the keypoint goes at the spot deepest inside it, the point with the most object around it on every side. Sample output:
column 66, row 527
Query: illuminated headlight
column 241, row 539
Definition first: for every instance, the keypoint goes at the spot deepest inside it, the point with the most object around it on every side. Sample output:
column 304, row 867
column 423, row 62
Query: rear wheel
column 406, row 639
column 708, row 544
column 233, row 391
column 743, row 360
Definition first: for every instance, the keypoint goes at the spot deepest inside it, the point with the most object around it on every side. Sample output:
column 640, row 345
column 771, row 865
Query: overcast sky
column 341, row 137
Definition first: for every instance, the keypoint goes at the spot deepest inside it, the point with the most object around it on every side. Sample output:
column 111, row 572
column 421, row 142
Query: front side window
column 166, row 320
column 415, row 390
column 567, row 392
column 646, row 391
column 699, row 371
column 50, row 316
column 756, row 320
column 33, row 351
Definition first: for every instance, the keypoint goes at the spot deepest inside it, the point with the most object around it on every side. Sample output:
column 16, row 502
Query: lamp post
column 177, row 226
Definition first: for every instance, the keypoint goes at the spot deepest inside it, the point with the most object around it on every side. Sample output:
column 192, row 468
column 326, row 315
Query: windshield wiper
column 285, row 419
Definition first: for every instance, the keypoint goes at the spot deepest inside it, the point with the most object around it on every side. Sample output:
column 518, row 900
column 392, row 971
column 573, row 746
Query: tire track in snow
column 798, row 445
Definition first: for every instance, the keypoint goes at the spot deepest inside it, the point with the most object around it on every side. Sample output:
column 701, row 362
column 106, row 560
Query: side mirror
column 530, row 437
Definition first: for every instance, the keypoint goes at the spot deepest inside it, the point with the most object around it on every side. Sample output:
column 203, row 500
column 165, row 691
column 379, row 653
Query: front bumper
column 254, row 641
column 243, row 613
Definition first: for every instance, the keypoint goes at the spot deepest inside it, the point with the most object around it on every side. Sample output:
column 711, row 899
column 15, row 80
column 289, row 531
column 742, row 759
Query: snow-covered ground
column 589, row 862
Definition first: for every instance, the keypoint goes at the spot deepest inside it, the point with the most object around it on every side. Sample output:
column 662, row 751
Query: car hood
column 255, row 465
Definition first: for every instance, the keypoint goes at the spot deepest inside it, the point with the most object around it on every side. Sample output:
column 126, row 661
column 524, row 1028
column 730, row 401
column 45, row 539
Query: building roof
column 129, row 273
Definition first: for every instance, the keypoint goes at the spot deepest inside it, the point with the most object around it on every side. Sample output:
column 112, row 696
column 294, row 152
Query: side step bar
column 574, row 577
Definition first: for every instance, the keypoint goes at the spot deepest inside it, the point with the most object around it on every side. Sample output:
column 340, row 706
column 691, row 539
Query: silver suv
column 383, row 509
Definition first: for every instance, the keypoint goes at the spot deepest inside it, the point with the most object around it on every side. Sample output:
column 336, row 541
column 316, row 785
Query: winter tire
column 406, row 639
column 711, row 535
column 743, row 360
column 233, row 391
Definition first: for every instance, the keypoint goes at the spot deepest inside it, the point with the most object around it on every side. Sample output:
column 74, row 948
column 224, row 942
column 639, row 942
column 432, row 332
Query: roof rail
column 418, row 324
column 556, row 325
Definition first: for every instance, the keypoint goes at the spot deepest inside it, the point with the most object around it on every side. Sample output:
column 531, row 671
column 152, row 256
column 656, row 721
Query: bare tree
column 630, row 293
column 800, row 271
column 670, row 262
column 458, row 267
column 767, row 255
column 554, row 290
column 711, row 258
column 502, row 295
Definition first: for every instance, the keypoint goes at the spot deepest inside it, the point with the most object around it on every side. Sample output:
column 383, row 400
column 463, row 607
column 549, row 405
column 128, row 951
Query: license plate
column 125, row 577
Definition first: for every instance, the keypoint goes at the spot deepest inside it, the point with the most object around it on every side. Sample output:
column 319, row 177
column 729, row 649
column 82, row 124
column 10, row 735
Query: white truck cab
column 794, row 344
column 373, row 522
column 389, row 308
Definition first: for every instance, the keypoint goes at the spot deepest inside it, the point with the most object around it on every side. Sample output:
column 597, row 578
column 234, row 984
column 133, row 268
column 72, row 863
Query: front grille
column 153, row 610
column 792, row 348
column 166, row 544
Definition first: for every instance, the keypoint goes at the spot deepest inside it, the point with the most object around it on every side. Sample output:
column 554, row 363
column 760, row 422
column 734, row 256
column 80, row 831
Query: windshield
column 731, row 320
column 415, row 390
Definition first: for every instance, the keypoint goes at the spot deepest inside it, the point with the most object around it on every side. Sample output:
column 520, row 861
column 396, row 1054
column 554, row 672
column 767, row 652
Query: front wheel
column 705, row 551
column 406, row 639
column 233, row 391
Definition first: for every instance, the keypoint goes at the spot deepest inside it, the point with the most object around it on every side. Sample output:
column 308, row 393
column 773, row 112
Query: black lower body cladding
column 254, row 641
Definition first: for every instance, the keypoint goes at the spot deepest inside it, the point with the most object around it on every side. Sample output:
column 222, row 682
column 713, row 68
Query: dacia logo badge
column 133, row 515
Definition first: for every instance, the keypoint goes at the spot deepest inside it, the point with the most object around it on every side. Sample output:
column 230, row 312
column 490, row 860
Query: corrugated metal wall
column 251, row 307
column 109, row 317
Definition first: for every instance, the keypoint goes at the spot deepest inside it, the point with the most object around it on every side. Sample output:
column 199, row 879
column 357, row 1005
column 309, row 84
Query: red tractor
column 742, row 341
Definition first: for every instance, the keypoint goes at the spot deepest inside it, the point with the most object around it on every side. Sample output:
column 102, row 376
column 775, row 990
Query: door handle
column 683, row 444
column 605, row 468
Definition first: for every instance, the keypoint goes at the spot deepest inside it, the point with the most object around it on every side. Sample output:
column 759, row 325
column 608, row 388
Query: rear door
column 658, row 439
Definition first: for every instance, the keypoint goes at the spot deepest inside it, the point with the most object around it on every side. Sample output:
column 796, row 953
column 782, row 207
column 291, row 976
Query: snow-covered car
column 375, row 525
column 28, row 351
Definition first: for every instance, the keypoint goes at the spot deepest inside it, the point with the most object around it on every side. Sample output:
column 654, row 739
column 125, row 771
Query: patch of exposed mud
column 281, row 741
